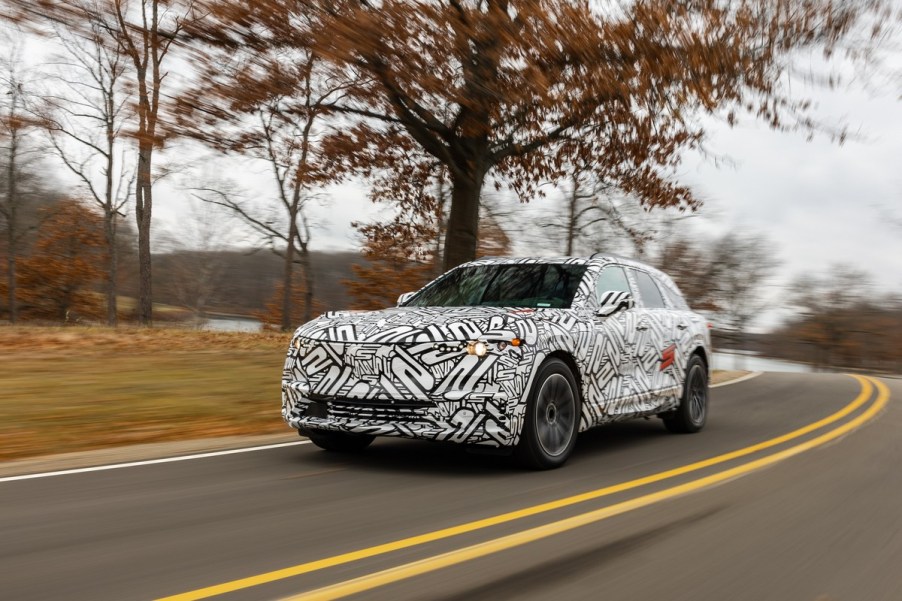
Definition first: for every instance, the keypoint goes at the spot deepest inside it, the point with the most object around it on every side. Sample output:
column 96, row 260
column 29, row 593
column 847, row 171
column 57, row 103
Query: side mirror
column 612, row 302
column 405, row 297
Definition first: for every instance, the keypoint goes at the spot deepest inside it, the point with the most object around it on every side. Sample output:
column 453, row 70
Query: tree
column 65, row 264
column 17, row 181
column 828, row 306
column 402, row 254
column 746, row 262
column 145, row 31
column 84, row 116
column 399, row 261
column 146, row 36
column 594, row 216
column 514, row 90
column 272, row 316
column 725, row 276
column 196, row 264
column 270, row 105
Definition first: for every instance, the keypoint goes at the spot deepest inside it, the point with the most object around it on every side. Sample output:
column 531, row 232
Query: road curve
column 822, row 524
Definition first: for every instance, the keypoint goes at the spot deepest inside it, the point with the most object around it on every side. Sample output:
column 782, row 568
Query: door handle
column 682, row 325
column 642, row 325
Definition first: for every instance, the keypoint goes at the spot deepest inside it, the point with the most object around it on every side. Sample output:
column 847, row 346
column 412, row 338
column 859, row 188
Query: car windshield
column 534, row 285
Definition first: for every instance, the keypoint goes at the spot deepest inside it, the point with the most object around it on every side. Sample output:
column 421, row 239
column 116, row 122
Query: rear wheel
column 552, row 418
column 342, row 442
column 692, row 413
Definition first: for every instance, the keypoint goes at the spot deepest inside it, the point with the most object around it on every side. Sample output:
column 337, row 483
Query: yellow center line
column 430, row 564
column 336, row 560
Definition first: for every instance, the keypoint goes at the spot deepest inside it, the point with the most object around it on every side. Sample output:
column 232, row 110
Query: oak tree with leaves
column 513, row 91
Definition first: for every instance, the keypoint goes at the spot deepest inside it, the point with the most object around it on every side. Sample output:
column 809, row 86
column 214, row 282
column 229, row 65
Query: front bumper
column 478, row 419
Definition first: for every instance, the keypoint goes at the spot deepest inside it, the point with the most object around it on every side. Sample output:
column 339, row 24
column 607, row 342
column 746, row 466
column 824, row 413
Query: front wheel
column 692, row 413
column 338, row 441
column 552, row 418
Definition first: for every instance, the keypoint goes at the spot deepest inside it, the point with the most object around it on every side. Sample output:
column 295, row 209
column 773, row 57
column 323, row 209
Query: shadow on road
column 452, row 460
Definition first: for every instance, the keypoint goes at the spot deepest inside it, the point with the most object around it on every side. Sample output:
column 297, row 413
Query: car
column 512, row 353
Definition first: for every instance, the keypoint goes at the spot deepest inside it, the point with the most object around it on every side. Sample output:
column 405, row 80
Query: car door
column 655, row 351
column 611, row 361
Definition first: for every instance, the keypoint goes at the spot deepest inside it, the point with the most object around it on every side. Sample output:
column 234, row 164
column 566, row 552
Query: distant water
column 751, row 362
column 233, row 324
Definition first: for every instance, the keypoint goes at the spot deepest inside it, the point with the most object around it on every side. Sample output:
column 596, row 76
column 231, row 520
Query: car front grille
column 369, row 410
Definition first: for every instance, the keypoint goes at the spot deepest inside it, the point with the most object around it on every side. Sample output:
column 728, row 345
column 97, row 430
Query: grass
column 73, row 389
column 68, row 389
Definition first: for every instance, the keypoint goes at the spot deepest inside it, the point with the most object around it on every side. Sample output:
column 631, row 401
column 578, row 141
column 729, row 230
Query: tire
column 340, row 442
column 552, row 418
column 691, row 415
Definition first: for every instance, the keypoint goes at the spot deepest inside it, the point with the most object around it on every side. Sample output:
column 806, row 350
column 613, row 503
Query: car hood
column 423, row 324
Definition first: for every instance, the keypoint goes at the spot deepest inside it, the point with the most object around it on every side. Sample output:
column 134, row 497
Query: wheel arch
column 702, row 354
column 570, row 362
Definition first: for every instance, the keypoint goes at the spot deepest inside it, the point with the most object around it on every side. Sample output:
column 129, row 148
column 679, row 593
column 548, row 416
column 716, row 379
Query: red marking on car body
column 668, row 356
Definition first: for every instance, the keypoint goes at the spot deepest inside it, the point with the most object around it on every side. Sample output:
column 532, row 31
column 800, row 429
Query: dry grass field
column 75, row 388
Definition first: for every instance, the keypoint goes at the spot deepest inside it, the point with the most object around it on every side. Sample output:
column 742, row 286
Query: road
column 816, row 515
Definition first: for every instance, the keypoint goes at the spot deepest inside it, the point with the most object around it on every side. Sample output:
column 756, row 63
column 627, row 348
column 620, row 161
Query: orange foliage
column 399, row 261
column 271, row 316
column 402, row 258
column 67, row 262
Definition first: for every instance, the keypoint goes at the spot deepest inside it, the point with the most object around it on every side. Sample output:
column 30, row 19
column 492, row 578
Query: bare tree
column 84, row 116
column 284, row 129
column 14, row 123
column 592, row 213
column 828, row 305
column 146, row 33
column 726, row 276
column 747, row 262
column 196, row 264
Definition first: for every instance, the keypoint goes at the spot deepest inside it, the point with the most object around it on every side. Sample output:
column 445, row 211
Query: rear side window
column 611, row 279
column 648, row 290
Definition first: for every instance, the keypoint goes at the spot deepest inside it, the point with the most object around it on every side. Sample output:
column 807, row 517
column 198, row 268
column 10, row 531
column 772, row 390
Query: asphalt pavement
column 738, row 511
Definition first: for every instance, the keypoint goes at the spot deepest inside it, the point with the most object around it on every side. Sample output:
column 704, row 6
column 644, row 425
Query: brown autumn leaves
column 433, row 102
column 512, row 92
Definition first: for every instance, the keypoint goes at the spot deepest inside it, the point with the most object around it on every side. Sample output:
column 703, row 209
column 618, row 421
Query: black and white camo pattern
column 406, row 372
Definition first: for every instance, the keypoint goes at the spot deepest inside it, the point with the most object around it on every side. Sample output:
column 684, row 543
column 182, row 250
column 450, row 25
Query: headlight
column 297, row 343
column 478, row 348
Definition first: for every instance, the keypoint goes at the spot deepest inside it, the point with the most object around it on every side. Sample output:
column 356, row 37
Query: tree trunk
column 308, row 284
column 463, row 220
column 11, row 284
column 287, row 280
column 109, row 231
column 12, row 218
column 143, row 211
column 571, row 219
column 109, row 216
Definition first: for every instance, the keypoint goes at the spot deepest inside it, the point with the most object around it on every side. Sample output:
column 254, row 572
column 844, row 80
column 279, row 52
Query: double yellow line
column 423, row 566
